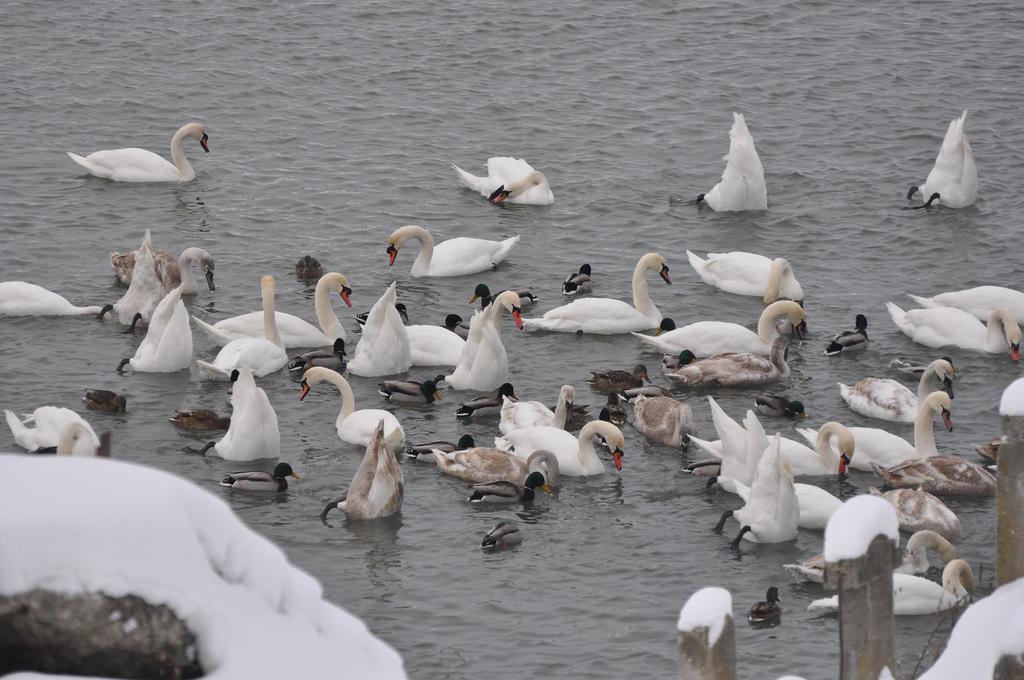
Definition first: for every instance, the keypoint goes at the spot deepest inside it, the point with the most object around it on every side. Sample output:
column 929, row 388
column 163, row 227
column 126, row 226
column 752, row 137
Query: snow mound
column 986, row 630
column 1012, row 403
column 854, row 525
column 76, row 525
column 708, row 608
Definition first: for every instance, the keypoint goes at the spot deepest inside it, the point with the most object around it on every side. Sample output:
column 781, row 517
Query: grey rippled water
column 332, row 123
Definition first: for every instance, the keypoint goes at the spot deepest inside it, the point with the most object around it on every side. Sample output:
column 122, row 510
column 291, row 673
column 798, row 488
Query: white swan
column 434, row 345
column 943, row 326
column 167, row 346
column 519, row 415
column 139, row 165
column 144, row 292
column 49, row 422
column 172, row 271
column 748, row 274
column 981, row 302
column 262, row 355
column 888, row 399
column 454, row 257
column 917, row 596
column 915, row 558
column 772, row 511
column 18, row 298
column 76, row 439
column 384, row 348
column 354, row 427
column 707, row 338
column 742, row 185
column 295, row 332
column 509, row 180
column 873, row 445
column 483, row 365
column 253, row 433
column 576, row 457
column 954, row 176
column 607, row 316
column 816, row 505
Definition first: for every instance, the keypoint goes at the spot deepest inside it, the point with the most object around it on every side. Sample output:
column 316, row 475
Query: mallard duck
column 486, row 406
column 378, row 486
column 503, row 535
column 509, row 492
column 608, row 381
column 850, row 341
column 308, row 268
column 427, row 450
column 990, row 450
column 779, row 406
column 483, row 293
column 411, row 391
column 733, row 369
column 455, row 324
column 258, row 480
column 674, row 363
column 105, row 400
column 767, row 611
column 614, row 412
column 663, row 419
column 399, row 307
column 336, row 359
column 200, row 420
column 579, row 282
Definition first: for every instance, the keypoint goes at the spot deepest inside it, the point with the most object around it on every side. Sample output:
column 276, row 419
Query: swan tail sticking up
column 93, row 168
column 208, row 370
column 923, row 301
column 213, row 332
column 697, row 262
column 506, row 246
column 655, row 342
column 899, row 317
column 22, row 435
column 481, row 184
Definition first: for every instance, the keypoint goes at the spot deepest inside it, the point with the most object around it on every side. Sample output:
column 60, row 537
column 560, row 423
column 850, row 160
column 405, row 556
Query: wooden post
column 867, row 627
column 1010, row 503
column 700, row 661
column 1009, row 667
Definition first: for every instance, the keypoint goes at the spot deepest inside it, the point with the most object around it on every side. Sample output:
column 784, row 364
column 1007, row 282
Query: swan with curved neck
column 295, row 332
column 483, row 365
column 607, row 316
column 916, row 596
column 743, row 273
column 509, row 180
column 518, row 187
column 76, row 440
column 888, row 399
column 261, row 355
column 139, row 165
column 979, row 302
column 844, row 444
column 707, row 338
column 576, row 457
column 454, row 257
column 517, row 415
column 947, row 326
column 355, row 427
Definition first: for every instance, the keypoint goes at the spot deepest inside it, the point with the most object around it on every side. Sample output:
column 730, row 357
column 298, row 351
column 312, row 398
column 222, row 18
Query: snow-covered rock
column 96, row 525
column 1012, row 402
column 856, row 524
column 707, row 608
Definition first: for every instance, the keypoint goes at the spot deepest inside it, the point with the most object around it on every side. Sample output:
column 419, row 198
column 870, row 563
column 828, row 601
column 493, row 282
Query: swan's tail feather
column 91, row 168
column 208, row 370
column 802, row 574
column 212, row 331
column 810, row 435
column 696, row 262
column 707, row 447
column 22, row 435
column 899, row 317
column 472, row 181
column 924, row 301
column 654, row 342
column 844, row 392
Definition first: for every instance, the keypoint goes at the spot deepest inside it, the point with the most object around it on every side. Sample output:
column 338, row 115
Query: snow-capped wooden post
column 1010, row 487
column 707, row 636
column 861, row 551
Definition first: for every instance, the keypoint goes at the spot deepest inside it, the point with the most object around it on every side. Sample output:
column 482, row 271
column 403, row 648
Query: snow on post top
column 855, row 525
column 1012, row 403
column 708, row 608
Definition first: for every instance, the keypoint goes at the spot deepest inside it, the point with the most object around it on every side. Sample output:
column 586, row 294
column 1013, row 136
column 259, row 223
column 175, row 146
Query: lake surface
column 331, row 124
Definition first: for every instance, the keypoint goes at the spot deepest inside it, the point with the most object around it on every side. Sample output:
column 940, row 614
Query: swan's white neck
column 185, row 171
column 996, row 332
column 641, row 296
column 766, row 322
column 525, row 183
column 829, row 457
column 924, row 388
column 924, row 434
column 422, row 263
column 325, row 315
column 270, row 316
column 560, row 411
column 348, row 399
column 189, row 257
column 771, row 291
column 587, row 454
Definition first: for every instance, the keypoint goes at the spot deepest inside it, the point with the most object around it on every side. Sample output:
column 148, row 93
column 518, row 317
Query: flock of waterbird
column 536, row 448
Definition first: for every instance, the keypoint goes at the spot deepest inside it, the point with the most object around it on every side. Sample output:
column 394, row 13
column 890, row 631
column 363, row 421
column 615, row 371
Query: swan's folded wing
column 505, row 169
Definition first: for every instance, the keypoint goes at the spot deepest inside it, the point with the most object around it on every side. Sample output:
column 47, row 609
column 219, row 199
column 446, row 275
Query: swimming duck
column 748, row 274
column 516, row 415
column 486, row 406
column 850, row 341
column 378, row 486
column 889, row 400
column 733, row 369
column 607, row 381
column 105, row 400
column 259, row 480
column 742, row 185
column 915, row 558
column 308, row 268
column 427, row 450
column 455, row 324
column 939, row 475
column 921, row 511
column 483, row 293
column 400, row 307
column 454, row 257
column 411, row 391
column 663, row 419
column 510, row 180
column 200, row 420
column 579, row 282
column 767, row 611
column 954, row 177
column 483, row 465
column 505, row 491
column 614, row 412
column 139, row 165
column 336, row 359
column 779, row 406
column 673, row 363
column 916, row 596
column 502, row 535
column 173, row 271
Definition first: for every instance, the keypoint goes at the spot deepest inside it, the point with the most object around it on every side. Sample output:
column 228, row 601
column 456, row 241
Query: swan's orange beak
column 498, row 196
column 1015, row 351
column 392, row 254
column 800, row 329
column 305, row 390
column 617, row 455
column 843, row 462
column 205, row 143
column 664, row 274
column 344, row 296
column 947, row 419
column 518, row 318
